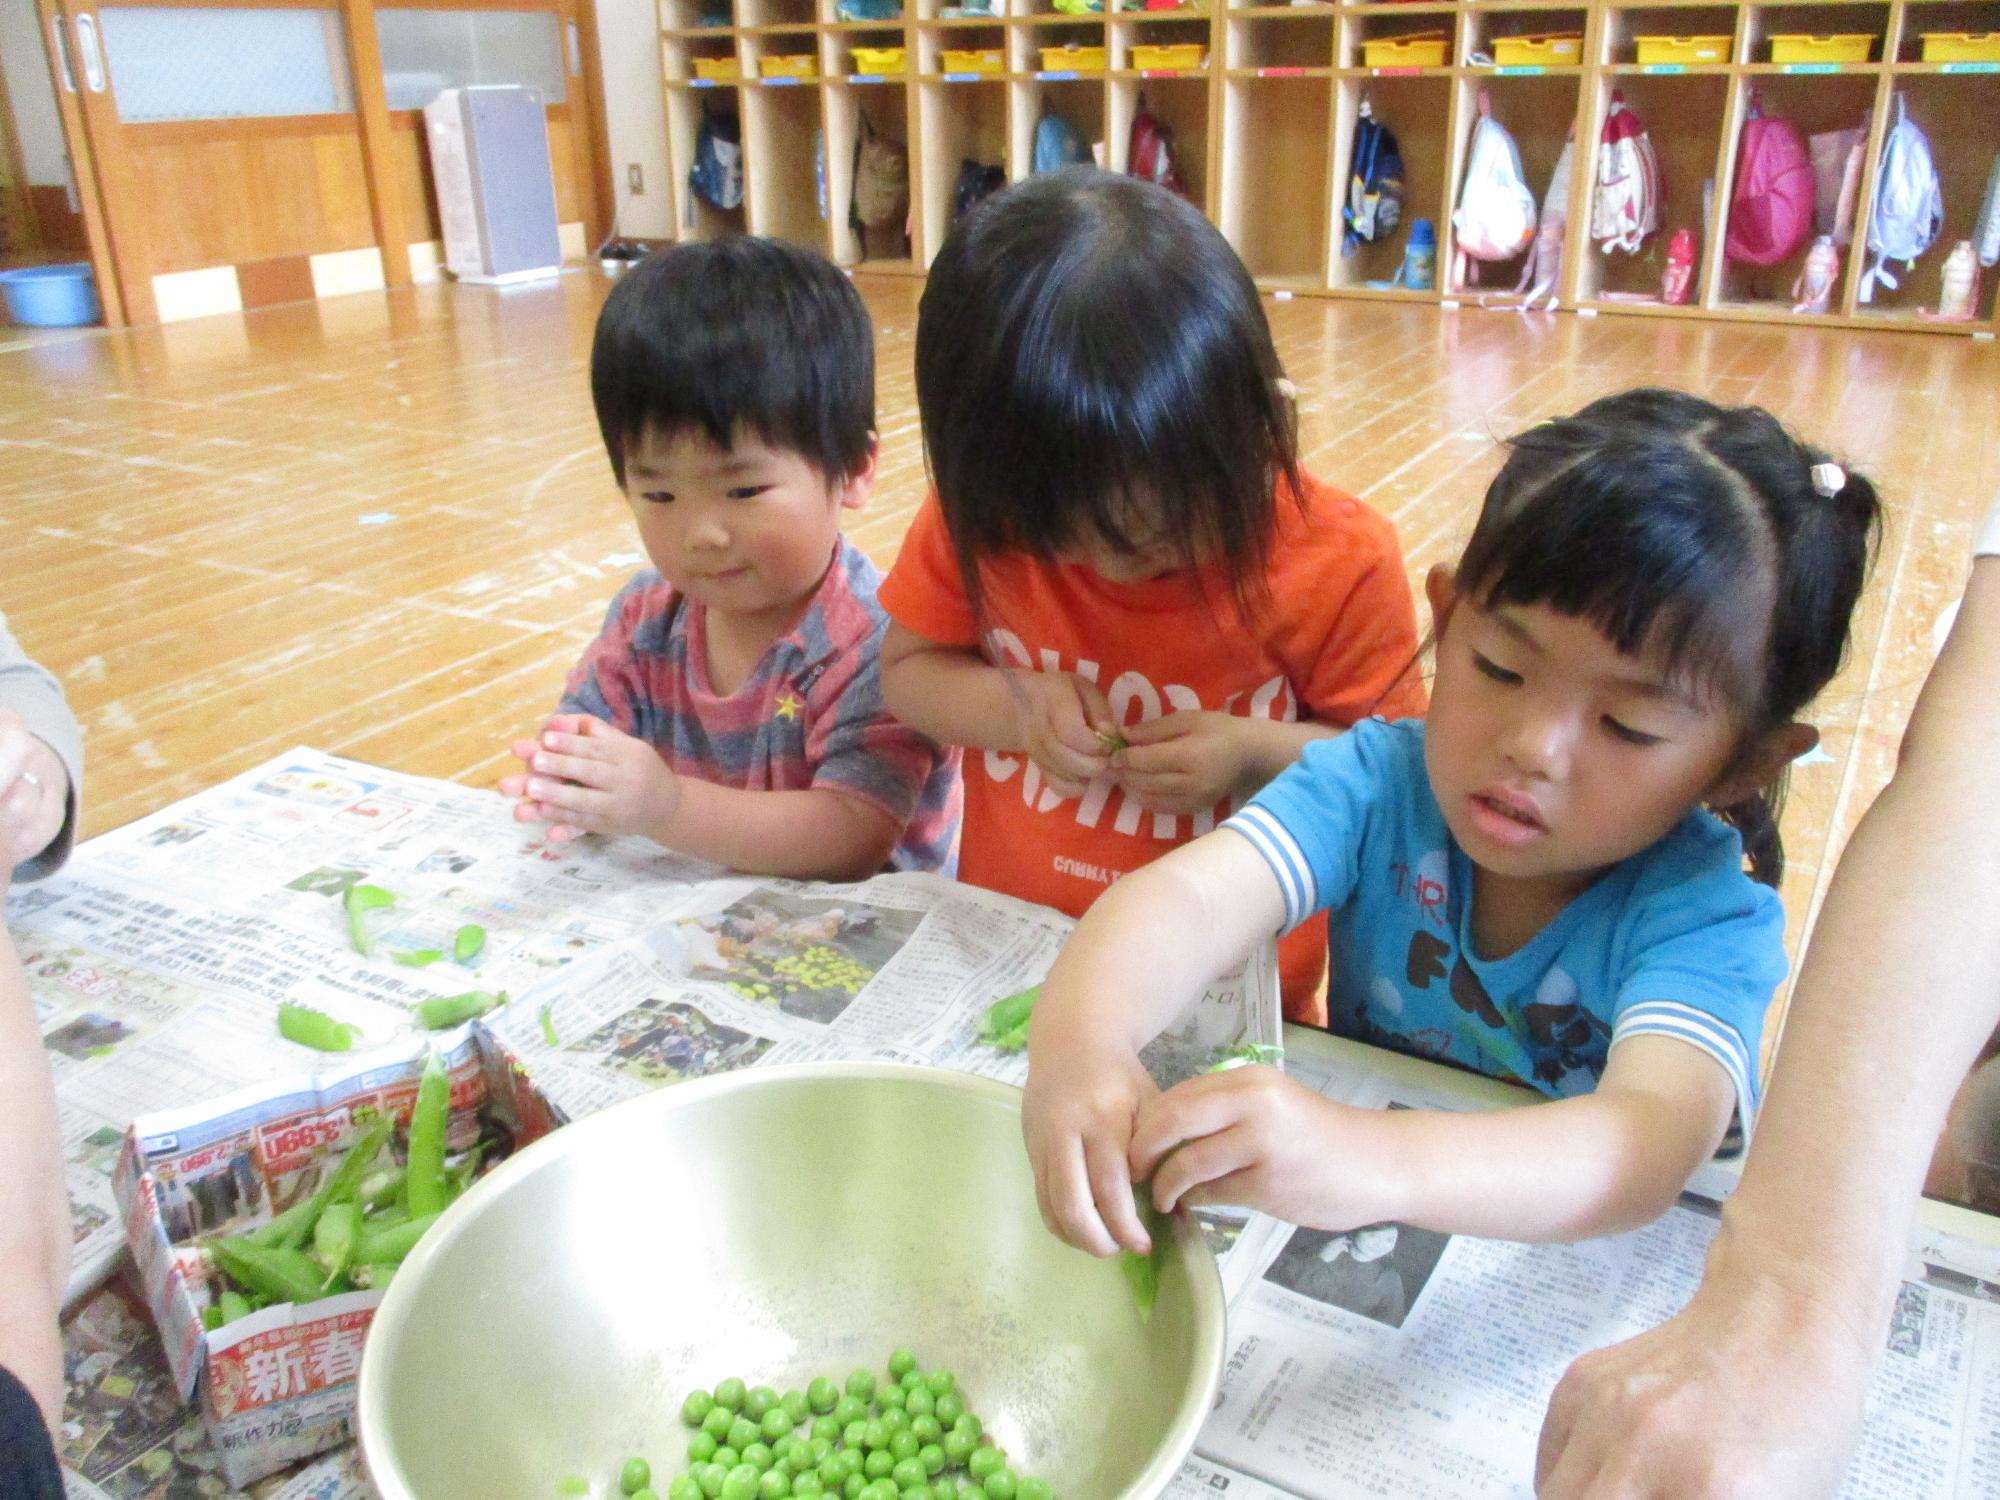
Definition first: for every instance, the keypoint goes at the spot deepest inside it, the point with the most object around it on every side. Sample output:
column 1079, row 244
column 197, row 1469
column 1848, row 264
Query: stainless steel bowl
column 775, row 1224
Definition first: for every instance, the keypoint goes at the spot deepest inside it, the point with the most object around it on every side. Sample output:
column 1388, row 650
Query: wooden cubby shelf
column 1263, row 102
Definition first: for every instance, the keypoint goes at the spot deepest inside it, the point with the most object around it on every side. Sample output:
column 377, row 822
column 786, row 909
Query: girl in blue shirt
column 1545, row 880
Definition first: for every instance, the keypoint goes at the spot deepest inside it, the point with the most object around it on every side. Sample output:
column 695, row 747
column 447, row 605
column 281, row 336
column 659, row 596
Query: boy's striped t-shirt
column 810, row 716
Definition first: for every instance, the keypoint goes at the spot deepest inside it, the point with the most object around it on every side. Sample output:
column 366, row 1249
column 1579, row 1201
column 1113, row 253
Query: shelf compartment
column 1269, row 42
column 886, row 107
column 1417, row 111
column 1683, row 116
column 1183, row 105
column 1540, row 113
column 958, row 122
column 1279, row 224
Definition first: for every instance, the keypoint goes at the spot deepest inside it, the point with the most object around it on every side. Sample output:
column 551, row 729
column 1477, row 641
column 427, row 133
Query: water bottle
column 1419, row 271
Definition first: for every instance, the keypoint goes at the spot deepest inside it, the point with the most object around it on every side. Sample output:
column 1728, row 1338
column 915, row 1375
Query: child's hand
column 1082, row 1099
column 1064, row 724
column 587, row 777
column 34, row 794
column 1187, row 762
column 1256, row 1139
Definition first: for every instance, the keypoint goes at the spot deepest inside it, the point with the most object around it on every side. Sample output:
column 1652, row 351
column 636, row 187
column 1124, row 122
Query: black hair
column 739, row 335
column 1696, row 530
column 1093, row 363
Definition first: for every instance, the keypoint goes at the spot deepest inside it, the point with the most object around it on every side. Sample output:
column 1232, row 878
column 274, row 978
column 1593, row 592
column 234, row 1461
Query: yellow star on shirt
column 788, row 706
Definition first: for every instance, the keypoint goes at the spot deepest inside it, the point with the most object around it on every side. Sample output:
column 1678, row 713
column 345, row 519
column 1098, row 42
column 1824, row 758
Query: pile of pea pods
column 909, row 1437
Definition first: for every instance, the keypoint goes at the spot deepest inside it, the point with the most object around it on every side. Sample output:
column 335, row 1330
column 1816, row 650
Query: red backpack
column 1149, row 151
column 1771, row 209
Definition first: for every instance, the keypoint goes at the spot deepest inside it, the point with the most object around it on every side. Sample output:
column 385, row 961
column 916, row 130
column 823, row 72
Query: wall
column 37, row 125
column 628, row 42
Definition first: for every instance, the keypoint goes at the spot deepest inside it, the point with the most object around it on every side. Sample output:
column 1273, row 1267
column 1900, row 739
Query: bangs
column 1635, row 549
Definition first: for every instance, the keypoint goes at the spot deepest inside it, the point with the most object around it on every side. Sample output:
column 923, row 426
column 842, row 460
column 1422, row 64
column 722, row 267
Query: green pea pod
column 315, row 1029
column 342, row 1183
column 1142, row 1272
column 389, row 1246
column 1005, row 1027
column 549, row 1025
column 211, row 1318
column 469, row 943
column 455, row 1010
column 334, row 1235
column 1245, row 1055
column 460, row 1177
column 234, row 1305
column 424, row 1188
column 360, row 900
column 372, row 1276
column 381, row 1187
column 386, row 1218
column 279, row 1274
column 416, row 958
column 279, row 1229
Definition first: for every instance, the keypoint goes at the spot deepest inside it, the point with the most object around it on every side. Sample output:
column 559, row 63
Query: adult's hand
column 1753, row 1392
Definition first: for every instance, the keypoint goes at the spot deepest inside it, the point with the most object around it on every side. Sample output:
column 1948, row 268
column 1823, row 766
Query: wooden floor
column 383, row 524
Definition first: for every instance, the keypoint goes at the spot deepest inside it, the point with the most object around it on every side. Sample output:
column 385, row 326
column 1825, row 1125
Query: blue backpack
column 1057, row 145
column 717, row 174
column 1374, row 205
column 870, row 10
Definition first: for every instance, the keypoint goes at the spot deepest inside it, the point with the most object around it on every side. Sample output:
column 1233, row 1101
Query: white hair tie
column 1828, row 480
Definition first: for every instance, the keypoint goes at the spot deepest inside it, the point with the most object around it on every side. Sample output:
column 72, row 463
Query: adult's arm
column 34, row 1206
column 1756, row 1388
column 41, row 764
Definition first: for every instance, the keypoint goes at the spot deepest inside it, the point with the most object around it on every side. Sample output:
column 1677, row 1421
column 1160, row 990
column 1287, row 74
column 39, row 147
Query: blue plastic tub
column 50, row 296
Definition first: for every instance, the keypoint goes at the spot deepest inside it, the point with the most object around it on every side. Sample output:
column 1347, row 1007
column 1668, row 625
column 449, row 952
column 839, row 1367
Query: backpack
column 1771, row 206
column 1836, row 163
column 1374, row 204
column 1626, row 206
column 976, row 181
column 881, row 194
column 1057, row 144
column 1986, row 228
column 1495, row 217
column 717, row 174
column 869, row 10
column 1909, row 205
column 1149, row 151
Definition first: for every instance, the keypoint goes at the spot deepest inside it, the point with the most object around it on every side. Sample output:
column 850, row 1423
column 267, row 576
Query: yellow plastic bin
column 793, row 65
column 880, row 61
column 1683, row 49
column 1849, row 47
column 974, row 60
column 1424, row 51
column 1073, row 59
column 1169, row 59
column 1555, row 50
column 1962, row 46
column 718, row 69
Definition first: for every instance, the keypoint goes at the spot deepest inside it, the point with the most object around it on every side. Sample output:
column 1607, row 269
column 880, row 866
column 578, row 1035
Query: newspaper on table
column 156, row 960
column 278, row 1385
column 1392, row 1360
column 902, row 968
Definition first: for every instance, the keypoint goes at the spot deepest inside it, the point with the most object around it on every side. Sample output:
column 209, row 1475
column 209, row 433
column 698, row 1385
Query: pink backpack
column 1149, row 151
column 1625, row 209
column 1771, row 209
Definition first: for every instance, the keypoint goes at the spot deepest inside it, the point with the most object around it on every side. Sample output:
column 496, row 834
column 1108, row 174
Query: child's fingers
column 1097, row 714
column 563, row 833
column 1200, row 1164
column 580, row 769
column 568, row 797
column 1201, row 1106
column 1111, row 1187
column 568, row 723
column 523, row 749
column 512, row 786
column 1070, row 1212
column 528, row 811
column 1159, row 731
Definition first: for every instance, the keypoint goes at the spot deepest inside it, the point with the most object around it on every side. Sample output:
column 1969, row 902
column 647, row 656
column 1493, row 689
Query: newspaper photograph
column 1393, row 1360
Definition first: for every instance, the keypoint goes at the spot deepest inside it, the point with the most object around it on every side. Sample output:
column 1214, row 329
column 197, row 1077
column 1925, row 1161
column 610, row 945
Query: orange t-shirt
column 1336, row 641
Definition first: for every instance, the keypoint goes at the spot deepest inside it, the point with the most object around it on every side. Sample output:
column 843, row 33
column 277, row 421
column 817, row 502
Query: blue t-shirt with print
column 1675, row 941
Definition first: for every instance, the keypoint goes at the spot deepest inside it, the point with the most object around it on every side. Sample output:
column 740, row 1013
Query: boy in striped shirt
column 731, row 706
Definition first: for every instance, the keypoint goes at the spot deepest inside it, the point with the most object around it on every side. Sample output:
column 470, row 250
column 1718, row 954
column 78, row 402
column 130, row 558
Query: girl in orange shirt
column 1124, row 594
